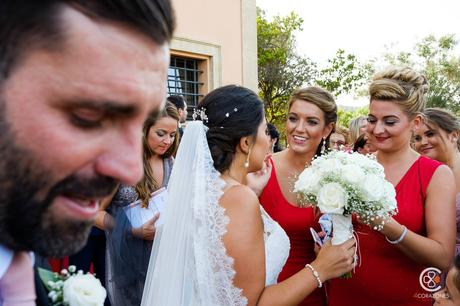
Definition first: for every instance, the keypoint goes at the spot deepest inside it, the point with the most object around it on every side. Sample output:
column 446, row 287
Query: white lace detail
column 214, row 266
column 189, row 265
column 277, row 247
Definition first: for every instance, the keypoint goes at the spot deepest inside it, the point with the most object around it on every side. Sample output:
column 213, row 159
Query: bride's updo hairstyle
column 232, row 112
column 403, row 86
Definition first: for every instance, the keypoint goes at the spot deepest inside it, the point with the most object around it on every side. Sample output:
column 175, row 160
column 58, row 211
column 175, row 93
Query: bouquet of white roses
column 73, row 288
column 342, row 184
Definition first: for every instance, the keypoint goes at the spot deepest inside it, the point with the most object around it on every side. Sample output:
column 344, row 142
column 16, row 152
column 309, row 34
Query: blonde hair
column 403, row 86
column 323, row 100
column 355, row 125
column 148, row 184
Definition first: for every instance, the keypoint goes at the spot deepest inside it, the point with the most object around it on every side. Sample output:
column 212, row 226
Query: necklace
column 227, row 176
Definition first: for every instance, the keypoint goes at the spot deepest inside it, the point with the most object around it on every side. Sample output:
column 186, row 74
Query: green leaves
column 47, row 276
column 439, row 60
column 280, row 69
column 343, row 74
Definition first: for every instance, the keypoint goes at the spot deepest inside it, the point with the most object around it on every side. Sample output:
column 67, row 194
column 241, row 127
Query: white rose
column 84, row 290
column 390, row 195
column 308, row 181
column 330, row 166
column 373, row 166
column 372, row 187
column 332, row 199
column 353, row 174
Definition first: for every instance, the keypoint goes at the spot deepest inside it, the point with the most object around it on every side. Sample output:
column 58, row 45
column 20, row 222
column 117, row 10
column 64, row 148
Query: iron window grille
column 184, row 79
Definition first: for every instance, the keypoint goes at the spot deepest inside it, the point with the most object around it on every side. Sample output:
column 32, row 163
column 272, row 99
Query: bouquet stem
column 342, row 230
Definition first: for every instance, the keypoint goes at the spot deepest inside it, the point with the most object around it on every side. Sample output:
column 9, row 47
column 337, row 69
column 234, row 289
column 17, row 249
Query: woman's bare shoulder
column 240, row 200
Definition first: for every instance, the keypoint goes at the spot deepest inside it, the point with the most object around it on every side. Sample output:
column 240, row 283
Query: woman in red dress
column 422, row 234
column 311, row 117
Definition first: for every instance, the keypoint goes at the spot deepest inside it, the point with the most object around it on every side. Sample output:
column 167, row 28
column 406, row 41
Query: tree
column 343, row 74
column 438, row 59
column 280, row 69
column 345, row 115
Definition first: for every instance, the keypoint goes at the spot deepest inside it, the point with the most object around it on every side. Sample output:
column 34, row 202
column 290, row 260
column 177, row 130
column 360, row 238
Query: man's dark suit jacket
column 40, row 290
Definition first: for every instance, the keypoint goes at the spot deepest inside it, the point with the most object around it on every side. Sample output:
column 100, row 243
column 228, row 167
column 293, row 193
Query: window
column 184, row 78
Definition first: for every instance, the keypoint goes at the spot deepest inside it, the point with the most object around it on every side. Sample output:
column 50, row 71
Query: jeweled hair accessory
column 228, row 114
column 200, row 114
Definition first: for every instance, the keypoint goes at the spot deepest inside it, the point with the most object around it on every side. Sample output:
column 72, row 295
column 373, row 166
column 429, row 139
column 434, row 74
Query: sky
column 365, row 28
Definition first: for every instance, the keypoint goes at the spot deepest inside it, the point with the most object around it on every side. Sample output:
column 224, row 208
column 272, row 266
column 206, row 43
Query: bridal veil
column 189, row 264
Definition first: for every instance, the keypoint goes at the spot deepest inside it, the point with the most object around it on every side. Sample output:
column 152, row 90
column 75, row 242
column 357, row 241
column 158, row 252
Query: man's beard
column 27, row 223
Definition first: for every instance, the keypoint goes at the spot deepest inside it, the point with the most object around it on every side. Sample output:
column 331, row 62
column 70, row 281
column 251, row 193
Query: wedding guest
column 439, row 138
column 357, row 127
column 422, row 234
column 312, row 114
column 181, row 106
column 450, row 295
column 73, row 97
column 339, row 139
column 129, row 247
column 217, row 245
column 361, row 146
column 274, row 138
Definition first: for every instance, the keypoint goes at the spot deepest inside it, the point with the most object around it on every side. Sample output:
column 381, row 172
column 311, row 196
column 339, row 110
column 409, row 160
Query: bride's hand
column 335, row 260
column 259, row 179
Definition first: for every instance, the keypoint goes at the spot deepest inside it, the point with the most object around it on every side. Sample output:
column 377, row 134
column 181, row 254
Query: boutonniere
column 73, row 288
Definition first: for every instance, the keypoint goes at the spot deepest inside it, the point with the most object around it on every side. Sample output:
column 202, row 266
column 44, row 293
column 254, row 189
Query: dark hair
column 148, row 184
column 232, row 112
column 25, row 25
column 177, row 100
column 360, row 142
column 324, row 101
column 274, row 134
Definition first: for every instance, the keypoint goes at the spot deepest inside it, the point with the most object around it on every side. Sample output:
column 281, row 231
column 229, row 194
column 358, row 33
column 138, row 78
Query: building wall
column 223, row 31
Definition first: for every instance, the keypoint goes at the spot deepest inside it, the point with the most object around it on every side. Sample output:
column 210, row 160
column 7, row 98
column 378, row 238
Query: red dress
column 296, row 222
column 386, row 275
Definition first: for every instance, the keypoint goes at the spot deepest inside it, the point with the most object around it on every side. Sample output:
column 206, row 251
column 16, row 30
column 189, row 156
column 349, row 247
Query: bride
column 217, row 246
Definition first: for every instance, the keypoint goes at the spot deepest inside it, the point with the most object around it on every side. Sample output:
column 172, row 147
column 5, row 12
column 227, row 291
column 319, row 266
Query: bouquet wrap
column 342, row 228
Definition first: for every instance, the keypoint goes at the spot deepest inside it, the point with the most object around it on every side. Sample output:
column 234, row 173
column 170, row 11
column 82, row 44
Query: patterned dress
column 127, row 257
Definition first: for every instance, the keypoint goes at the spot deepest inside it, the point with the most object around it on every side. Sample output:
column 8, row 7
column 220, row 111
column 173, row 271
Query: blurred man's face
column 71, row 125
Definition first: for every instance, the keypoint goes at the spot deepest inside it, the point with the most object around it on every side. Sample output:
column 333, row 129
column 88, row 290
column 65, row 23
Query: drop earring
column 246, row 163
column 323, row 147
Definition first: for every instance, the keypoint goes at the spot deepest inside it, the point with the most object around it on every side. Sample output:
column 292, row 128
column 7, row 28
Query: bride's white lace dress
column 276, row 248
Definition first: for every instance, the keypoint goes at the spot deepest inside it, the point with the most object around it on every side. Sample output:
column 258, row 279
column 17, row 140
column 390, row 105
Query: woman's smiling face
column 305, row 126
column 388, row 127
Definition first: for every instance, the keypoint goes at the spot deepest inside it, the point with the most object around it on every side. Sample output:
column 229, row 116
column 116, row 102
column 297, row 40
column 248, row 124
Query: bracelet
column 404, row 233
column 315, row 274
